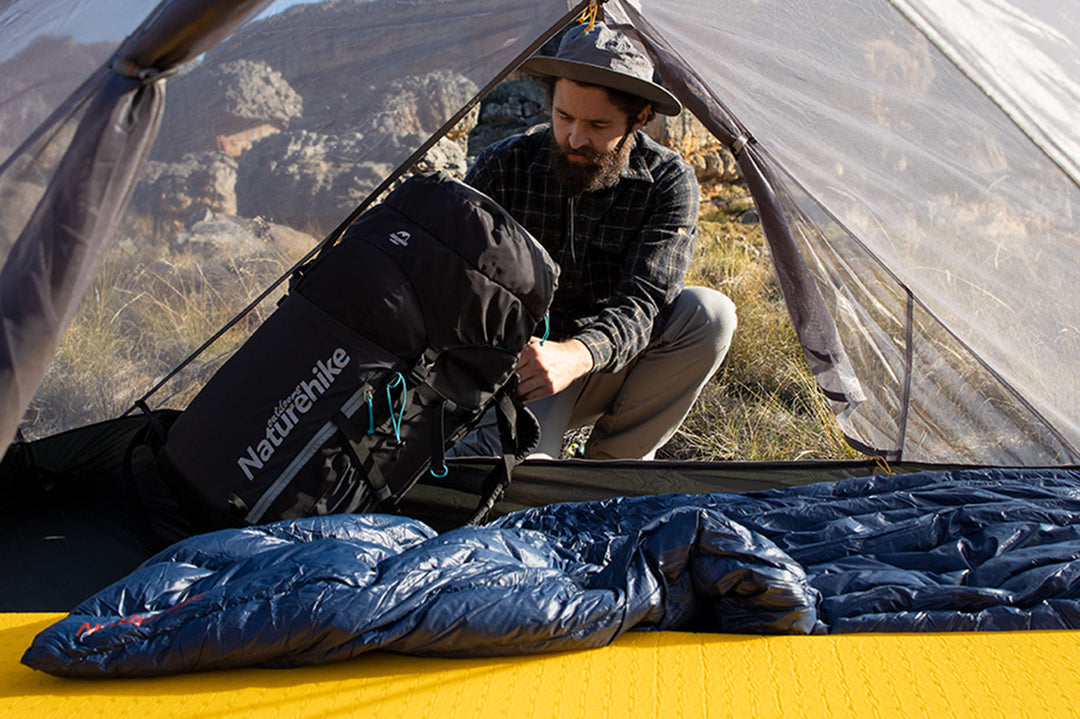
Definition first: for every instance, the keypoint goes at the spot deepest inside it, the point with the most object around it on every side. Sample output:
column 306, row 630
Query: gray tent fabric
column 934, row 225
column 51, row 264
column 1025, row 62
column 809, row 313
column 915, row 165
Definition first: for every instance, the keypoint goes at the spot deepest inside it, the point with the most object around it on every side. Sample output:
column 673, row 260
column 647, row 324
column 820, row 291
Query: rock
column 512, row 107
column 307, row 180
column 521, row 103
column 236, row 104
column 203, row 214
column 750, row 217
column 735, row 205
column 283, row 240
column 447, row 156
column 684, row 133
column 254, row 91
column 424, row 103
column 222, row 234
column 175, row 190
column 211, row 235
column 338, row 38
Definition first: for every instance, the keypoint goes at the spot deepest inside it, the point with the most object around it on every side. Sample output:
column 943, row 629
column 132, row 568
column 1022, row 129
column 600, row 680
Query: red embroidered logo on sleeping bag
column 137, row 620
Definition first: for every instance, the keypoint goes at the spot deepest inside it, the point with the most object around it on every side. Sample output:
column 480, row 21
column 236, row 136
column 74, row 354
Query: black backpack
column 388, row 348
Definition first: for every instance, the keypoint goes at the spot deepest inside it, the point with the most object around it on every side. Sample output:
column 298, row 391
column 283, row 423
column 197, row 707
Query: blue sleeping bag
column 935, row 551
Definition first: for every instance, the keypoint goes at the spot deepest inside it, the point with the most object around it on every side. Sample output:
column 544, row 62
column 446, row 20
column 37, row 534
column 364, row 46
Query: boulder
column 422, row 104
column 684, row 133
column 227, row 108
column 513, row 106
column 174, row 190
column 306, row 180
column 447, row 156
column 210, row 234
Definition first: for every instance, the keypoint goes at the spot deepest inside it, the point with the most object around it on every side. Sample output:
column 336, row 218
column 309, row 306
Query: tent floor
column 81, row 509
column 662, row 674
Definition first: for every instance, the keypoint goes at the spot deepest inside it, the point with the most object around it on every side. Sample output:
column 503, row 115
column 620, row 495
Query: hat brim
column 662, row 101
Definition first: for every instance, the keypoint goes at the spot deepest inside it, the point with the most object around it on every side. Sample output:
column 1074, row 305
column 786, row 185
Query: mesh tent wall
column 916, row 183
column 924, row 178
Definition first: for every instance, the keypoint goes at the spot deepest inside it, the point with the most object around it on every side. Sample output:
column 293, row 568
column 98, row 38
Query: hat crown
column 605, row 48
column 603, row 56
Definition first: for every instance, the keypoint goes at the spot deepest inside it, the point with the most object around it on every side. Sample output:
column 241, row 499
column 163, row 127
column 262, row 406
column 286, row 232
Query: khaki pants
column 636, row 410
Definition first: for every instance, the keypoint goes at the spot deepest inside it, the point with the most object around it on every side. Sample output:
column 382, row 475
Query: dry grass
column 763, row 403
column 145, row 312
column 148, row 309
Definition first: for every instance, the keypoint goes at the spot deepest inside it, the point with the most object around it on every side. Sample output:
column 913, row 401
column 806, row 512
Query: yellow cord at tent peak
column 589, row 14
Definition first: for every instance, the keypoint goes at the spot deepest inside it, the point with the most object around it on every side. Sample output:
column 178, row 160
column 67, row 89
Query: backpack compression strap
column 520, row 434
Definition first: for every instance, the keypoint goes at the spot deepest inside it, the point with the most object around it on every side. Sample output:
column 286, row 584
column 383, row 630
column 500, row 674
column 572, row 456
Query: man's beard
column 600, row 171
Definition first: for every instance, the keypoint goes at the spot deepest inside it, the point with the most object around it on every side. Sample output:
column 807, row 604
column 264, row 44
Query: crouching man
column 629, row 348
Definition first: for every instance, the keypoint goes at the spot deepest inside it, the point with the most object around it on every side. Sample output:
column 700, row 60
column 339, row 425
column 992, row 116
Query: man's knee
column 703, row 316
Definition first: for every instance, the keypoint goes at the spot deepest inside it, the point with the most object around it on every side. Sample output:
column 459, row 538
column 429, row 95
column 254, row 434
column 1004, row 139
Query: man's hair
column 631, row 105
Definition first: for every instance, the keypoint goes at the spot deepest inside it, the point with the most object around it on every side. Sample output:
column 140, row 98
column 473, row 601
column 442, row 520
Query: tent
column 914, row 166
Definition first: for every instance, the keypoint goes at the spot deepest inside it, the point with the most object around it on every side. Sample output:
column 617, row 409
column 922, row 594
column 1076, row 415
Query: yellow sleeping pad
column 655, row 674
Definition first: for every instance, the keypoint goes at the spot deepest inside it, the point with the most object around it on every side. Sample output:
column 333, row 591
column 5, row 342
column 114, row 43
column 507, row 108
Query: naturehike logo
column 285, row 415
column 401, row 238
column 86, row 629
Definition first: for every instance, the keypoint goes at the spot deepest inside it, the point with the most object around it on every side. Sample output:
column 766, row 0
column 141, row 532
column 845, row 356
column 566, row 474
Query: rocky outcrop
column 446, row 155
column 336, row 40
column 227, row 108
column 513, row 106
column 211, row 234
column 307, row 180
column 423, row 104
column 684, row 133
column 199, row 180
column 258, row 128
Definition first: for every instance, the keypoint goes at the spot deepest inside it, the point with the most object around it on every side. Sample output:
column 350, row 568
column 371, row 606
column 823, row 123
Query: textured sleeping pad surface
column 645, row 675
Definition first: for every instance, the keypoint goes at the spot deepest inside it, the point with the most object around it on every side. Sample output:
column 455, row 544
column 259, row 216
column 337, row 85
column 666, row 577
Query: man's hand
column 544, row 369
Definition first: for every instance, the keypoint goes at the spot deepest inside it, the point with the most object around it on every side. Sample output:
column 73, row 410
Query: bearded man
column 629, row 347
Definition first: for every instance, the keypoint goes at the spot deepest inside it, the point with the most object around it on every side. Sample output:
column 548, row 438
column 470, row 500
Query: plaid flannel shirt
column 622, row 251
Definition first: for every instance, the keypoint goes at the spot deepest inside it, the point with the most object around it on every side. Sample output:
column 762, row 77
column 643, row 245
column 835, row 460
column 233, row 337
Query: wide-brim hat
column 604, row 57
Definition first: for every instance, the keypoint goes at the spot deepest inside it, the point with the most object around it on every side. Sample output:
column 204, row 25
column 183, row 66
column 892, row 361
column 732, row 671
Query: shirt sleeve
column 652, row 275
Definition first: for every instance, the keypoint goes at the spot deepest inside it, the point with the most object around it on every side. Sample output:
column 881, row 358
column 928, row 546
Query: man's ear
column 642, row 117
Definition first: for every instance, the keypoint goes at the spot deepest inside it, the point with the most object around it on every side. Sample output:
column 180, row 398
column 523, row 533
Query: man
column 629, row 348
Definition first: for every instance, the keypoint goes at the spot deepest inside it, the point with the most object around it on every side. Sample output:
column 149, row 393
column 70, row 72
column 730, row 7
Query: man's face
column 588, row 134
